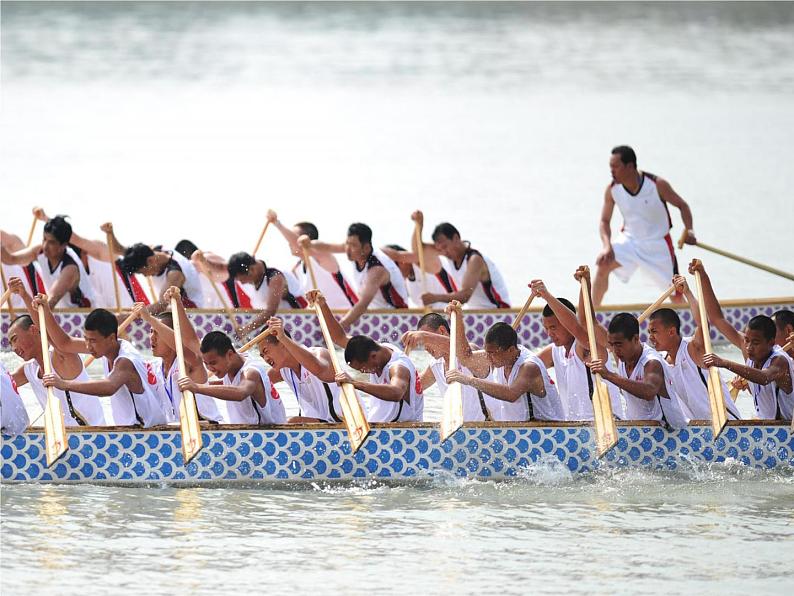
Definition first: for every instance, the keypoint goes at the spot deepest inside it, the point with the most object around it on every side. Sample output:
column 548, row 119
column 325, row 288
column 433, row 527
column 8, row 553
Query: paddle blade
column 189, row 426
column 355, row 419
column 54, row 429
column 717, row 403
column 605, row 428
column 452, row 414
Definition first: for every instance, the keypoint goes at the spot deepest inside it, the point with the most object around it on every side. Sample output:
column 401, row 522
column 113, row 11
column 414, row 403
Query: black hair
column 272, row 339
column 445, row 229
column 359, row 348
column 59, row 228
column 765, row 325
column 362, row 231
column 667, row 317
column 135, row 256
column 626, row 154
column 308, row 228
column 239, row 264
column 166, row 318
column 502, row 336
column 547, row 312
column 433, row 320
column 186, row 248
column 102, row 321
column 626, row 324
column 24, row 321
column 783, row 318
column 396, row 247
column 216, row 341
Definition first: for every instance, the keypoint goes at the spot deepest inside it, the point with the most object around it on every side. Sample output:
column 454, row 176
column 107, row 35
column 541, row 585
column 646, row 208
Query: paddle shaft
column 714, row 385
column 54, row 429
column 188, row 415
column 32, row 230
column 6, row 293
column 523, row 311
column 739, row 258
column 109, row 237
column 647, row 312
column 6, row 296
column 307, row 260
column 261, row 236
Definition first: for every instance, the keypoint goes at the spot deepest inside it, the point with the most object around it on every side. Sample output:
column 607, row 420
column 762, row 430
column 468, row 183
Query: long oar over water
column 648, row 311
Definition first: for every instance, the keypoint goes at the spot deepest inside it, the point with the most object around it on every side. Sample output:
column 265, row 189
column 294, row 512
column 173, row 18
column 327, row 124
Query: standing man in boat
column 769, row 370
column 25, row 338
column 432, row 333
column 643, row 376
column 476, row 281
column 245, row 386
column 514, row 381
column 131, row 382
column 685, row 356
column 644, row 241
column 331, row 281
column 394, row 387
column 377, row 280
column 308, row 372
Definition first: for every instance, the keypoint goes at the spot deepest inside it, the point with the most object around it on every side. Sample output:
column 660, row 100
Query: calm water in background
column 192, row 119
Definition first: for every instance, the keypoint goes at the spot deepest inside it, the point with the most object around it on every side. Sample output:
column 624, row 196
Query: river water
column 188, row 119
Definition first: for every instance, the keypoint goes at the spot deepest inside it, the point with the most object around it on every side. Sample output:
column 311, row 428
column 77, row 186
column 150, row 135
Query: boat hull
column 392, row 452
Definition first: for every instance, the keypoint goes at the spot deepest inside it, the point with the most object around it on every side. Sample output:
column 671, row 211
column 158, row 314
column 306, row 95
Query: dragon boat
column 389, row 325
column 402, row 452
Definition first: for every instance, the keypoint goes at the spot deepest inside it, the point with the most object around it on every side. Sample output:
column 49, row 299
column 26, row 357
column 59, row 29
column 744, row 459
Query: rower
column 685, row 356
column 25, row 339
column 514, row 381
column 166, row 268
column 13, row 416
column 767, row 367
column 479, row 283
column 394, row 390
column 245, row 386
column 163, row 342
column 432, row 334
column 15, row 266
column 331, row 281
column 308, row 372
column 644, row 241
column 570, row 351
column 437, row 280
column 61, row 270
column 784, row 323
column 643, row 376
column 377, row 281
column 130, row 381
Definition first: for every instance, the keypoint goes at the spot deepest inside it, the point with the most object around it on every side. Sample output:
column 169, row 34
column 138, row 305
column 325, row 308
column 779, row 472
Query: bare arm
column 713, row 309
column 668, row 195
column 648, row 388
column 601, row 333
column 777, row 371
column 319, row 364
column 338, row 335
column 123, row 373
column 475, row 361
column 172, row 278
column 246, row 388
column 69, row 277
column 376, row 277
column 23, row 256
column 528, row 379
column 61, row 341
column 605, row 223
column 474, row 274
column 321, row 246
column 395, row 390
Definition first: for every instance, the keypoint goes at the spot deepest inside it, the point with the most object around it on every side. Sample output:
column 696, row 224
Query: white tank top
column 145, row 409
column 381, row 410
column 338, row 291
column 391, row 295
column 670, row 411
column 575, row 384
column 472, row 404
column 488, row 295
column 101, row 273
column 316, row 399
column 248, row 411
column 13, row 416
column 294, row 298
column 169, row 381
column 192, row 291
column 645, row 215
column 438, row 283
column 80, row 296
column 78, row 409
column 691, row 385
column 771, row 403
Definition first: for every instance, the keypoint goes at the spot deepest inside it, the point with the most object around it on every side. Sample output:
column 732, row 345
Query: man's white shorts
column 655, row 257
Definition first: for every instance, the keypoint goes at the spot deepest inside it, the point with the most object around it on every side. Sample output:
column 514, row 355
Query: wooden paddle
column 109, row 237
column 152, row 291
column 261, row 236
column 353, row 413
column 309, row 266
column 226, row 306
column 647, row 312
column 523, row 312
column 420, row 253
column 452, row 412
column 6, row 296
column 188, row 413
column 32, row 230
column 605, row 428
column 54, row 429
column 124, row 324
column 6, row 293
column 739, row 258
column 716, row 398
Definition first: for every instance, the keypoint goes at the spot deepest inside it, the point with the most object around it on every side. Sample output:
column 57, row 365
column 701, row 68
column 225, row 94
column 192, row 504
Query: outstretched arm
column 474, row 273
column 338, row 335
column 713, row 309
column 777, row 371
column 60, row 339
column 395, row 390
column 528, row 379
column 648, row 388
column 318, row 364
column 376, row 277
column 23, row 256
column 668, row 195
column 239, row 392
column 123, row 373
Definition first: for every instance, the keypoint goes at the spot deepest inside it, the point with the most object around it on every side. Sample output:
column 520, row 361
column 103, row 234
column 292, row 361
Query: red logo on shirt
column 13, row 383
column 150, row 376
column 418, row 385
column 274, row 392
